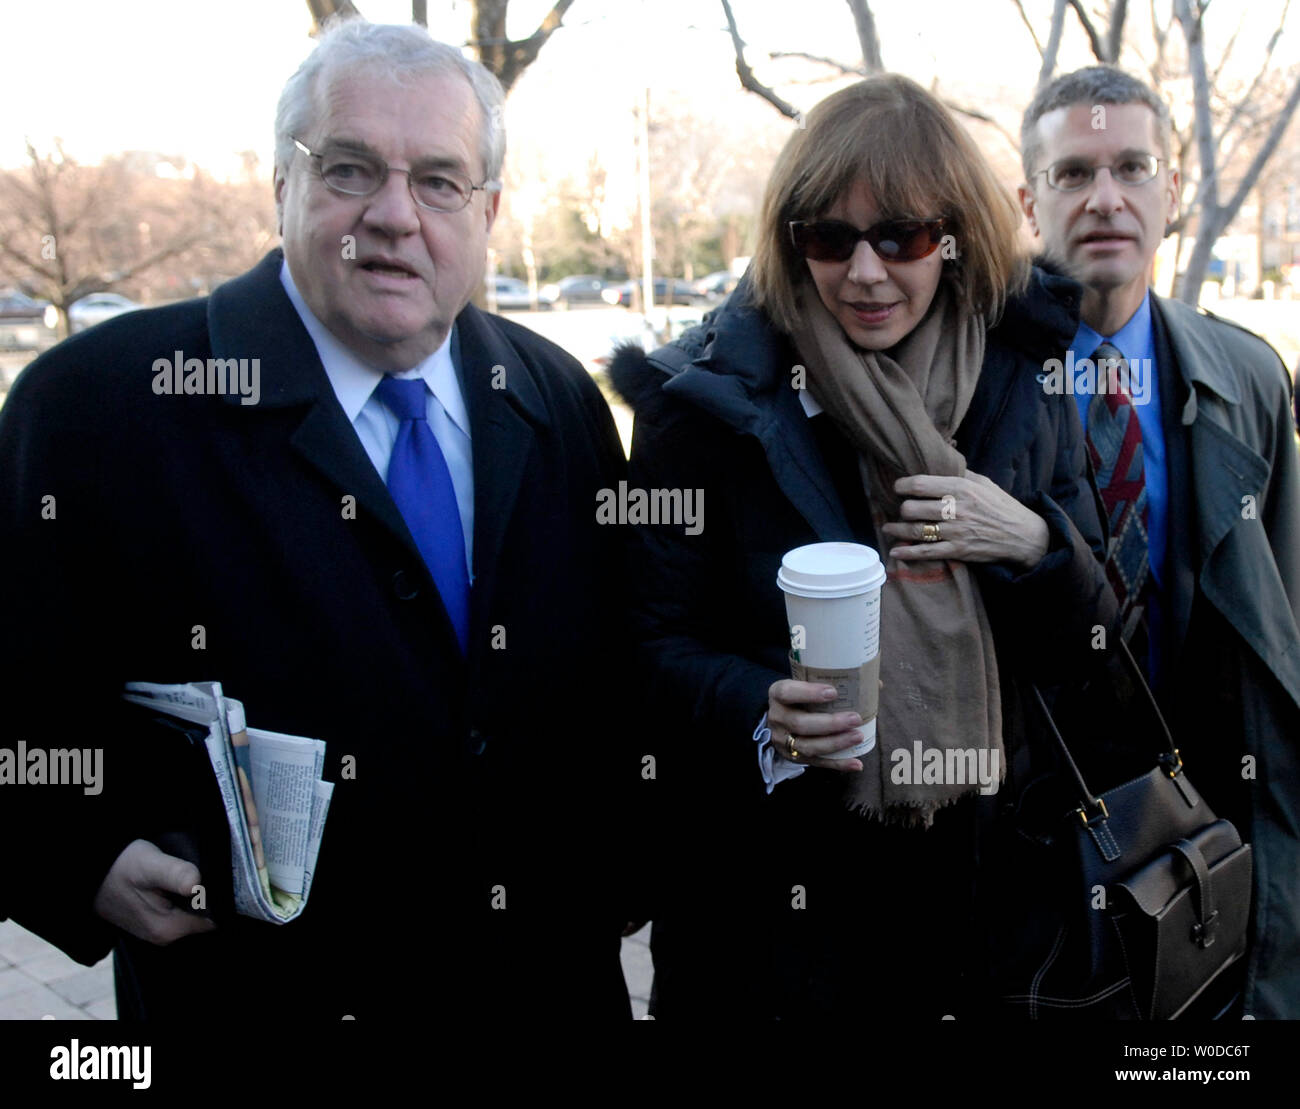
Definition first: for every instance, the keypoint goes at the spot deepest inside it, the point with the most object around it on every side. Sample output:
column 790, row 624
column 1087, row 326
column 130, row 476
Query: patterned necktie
column 1114, row 440
column 420, row 484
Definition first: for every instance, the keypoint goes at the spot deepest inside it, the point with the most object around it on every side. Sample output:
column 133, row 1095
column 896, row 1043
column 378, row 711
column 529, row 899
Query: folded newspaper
column 274, row 797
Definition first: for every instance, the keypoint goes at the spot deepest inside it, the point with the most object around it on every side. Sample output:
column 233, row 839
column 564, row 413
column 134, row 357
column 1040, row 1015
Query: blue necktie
column 420, row 484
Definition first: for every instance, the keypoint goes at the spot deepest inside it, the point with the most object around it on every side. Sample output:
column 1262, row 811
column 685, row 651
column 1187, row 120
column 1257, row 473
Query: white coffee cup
column 832, row 602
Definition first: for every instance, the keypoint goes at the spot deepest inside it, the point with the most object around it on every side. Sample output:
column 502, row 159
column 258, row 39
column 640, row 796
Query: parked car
column 512, row 294
column 578, row 289
column 26, row 323
column 682, row 293
column 96, row 308
column 717, row 286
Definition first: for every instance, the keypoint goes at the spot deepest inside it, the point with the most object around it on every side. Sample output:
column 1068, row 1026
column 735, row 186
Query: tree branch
column 1115, row 35
column 1227, row 50
column 1161, row 35
column 868, row 39
column 1201, row 99
column 530, row 47
column 746, row 75
column 26, row 262
column 1053, row 43
column 322, row 11
column 505, row 57
column 1245, row 100
column 1094, row 39
column 982, row 117
column 1263, row 154
column 178, row 247
column 847, row 70
column 1028, row 26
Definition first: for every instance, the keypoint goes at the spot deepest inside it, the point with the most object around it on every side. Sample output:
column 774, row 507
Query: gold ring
column 929, row 533
column 793, row 753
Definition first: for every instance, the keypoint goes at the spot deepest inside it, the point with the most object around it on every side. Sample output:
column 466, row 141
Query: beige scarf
column 939, row 728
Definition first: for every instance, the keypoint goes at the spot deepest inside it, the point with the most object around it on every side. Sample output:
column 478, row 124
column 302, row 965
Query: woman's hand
column 978, row 521
column 815, row 734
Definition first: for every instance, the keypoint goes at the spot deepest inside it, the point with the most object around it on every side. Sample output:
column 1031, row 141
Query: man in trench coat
column 1219, row 610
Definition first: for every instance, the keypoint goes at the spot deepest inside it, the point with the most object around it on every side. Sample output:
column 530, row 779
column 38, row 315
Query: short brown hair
column 916, row 160
column 1097, row 84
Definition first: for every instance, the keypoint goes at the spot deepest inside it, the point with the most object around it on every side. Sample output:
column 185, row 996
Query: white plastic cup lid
column 830, row 570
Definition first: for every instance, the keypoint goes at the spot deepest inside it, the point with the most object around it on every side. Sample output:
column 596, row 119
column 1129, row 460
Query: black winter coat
column 175, row 511
column 788, row 904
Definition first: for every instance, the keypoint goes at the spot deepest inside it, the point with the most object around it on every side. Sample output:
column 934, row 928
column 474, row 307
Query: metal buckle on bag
column 1088, row 821
column 1203, row 934
column 1176, row 762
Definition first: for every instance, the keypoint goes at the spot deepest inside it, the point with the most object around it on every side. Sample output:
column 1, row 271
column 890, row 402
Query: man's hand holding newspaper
column 275, row 805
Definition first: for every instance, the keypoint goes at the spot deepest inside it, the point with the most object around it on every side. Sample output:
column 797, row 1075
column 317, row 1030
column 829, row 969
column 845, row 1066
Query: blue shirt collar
column 1136, row 339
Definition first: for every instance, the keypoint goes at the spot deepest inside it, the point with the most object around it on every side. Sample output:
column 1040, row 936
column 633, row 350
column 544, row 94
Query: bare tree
column 868, row 40
column 324, row 10
column 1095, row 39
column 1213, row 216
column 1053, row 46
column 689, row 161
column 1106, row 43
column 68, row 230
column 507, row 57
column 750, row 82
column 746, row 74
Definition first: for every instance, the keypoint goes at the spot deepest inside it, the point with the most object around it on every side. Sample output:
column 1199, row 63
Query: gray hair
column 1097, row 84
column 397, row 53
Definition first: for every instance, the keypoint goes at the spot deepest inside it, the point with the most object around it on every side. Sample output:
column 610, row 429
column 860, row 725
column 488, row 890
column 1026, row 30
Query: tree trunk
column 1053, row 43
column 1207, row 234
column 1259, row 236
column 508, row 58
column 868, row 39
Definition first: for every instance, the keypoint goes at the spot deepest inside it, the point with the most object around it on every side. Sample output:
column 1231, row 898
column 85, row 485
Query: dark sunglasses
column 895, row 240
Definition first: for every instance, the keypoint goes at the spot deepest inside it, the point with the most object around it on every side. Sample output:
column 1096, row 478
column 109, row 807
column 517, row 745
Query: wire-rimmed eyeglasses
column 1071, row 174
column 355, row 173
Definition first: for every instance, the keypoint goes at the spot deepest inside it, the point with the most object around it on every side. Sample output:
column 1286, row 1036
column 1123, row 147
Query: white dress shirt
column 376, row 426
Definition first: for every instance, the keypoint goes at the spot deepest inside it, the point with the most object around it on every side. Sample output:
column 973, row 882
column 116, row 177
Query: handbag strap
column 1093, row 808
column 1206, row 913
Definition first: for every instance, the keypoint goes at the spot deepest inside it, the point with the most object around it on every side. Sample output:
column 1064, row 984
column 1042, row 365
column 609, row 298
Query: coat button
column 404, row 586
column 477, row 742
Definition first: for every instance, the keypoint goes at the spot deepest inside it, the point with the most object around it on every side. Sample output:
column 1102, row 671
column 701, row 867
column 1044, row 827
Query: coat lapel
column 1181, row 551
column 505, row 410
column 252, row 317
column 753, row 394
column 800, row 469
column 1222, row 470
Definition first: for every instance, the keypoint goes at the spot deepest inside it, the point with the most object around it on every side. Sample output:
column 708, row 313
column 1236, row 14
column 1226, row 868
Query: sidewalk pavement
column 37, row 980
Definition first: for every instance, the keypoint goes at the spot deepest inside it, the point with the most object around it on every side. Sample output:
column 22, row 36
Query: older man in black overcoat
column 249, row 532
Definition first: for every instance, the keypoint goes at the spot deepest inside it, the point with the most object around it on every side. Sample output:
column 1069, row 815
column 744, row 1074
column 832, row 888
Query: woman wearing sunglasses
column 877, row 377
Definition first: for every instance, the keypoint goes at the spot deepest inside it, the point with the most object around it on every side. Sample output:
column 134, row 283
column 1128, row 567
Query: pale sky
column 201, row 80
